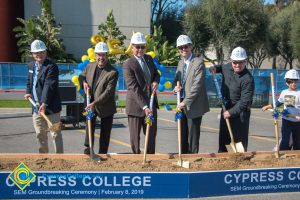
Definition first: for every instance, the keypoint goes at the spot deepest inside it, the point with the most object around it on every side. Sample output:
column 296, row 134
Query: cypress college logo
column 22, row 176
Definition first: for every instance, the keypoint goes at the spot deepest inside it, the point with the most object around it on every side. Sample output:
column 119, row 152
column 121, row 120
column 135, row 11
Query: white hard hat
column 292, row 74
column 183, row 40
column 101, row 47
column 238, row 54
column 138, row 38
column 38, row 46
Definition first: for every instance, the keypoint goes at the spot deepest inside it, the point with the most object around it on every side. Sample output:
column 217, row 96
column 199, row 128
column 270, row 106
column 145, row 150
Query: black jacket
column 47, row 85
column 237, row 89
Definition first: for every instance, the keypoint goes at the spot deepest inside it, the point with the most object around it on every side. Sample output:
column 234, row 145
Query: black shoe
column 87, row 151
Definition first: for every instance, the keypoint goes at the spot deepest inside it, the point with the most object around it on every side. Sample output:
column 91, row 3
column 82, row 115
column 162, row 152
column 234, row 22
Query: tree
column 168, row 15
column 165, row 53
column 109, row 30
column 281, row 28
column 295, row 35
column 42, row 27
column 171, row 25
column 224, row 25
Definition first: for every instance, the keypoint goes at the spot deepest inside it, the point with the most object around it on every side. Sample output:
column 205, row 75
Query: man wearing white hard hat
column 290, row 99
column 190, row 74
column 142, row 79
column 237, row 92
column 101, row 79
column 42, row 88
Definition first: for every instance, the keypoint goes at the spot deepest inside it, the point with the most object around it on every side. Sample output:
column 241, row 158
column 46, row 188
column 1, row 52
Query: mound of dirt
column 198, row 162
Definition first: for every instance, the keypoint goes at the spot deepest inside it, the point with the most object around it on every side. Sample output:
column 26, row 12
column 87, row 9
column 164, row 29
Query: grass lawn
column 14, row 104
column 26, row 104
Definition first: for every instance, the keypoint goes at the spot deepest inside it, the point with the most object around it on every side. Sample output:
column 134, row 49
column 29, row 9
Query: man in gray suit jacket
column 194, row 102
column 142, row 79
column 102, row 79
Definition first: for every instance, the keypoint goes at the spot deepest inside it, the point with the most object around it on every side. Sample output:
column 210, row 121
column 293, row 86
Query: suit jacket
column 47, row 85
column 138, row 94
column 104, row 97
column 195, row 99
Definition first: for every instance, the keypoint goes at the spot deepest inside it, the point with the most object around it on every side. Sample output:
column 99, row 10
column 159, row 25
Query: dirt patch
column 198, row 162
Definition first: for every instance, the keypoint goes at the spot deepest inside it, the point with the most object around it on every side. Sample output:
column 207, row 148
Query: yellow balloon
column 151, row 53
column 97, row 38
column 148, row 37
column 159, row 72
column 84, row 57
column 92, row 60
column 90, row 51
column 92, row 56
column 168, row 85
column 75, row 79
column 129, row 50
column 114, row 46
column 77, row 87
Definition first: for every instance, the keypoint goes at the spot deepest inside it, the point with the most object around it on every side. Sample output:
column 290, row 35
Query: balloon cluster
column 115, row 48
column 163, row 84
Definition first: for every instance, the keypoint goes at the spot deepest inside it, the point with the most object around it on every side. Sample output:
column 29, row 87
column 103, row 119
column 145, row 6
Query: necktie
column 182, row 93
column 146, row 71
column 183, row 74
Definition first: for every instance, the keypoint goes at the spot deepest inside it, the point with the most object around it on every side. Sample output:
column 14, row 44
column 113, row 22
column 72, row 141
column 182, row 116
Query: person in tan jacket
column 101, row 78
column 193, row 97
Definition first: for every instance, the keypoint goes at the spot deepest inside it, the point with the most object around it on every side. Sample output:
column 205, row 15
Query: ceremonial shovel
column 88, row 100
column 148, row 130
column 53, row 127
column 277, row 155
column 180, row 162
column 232, row 147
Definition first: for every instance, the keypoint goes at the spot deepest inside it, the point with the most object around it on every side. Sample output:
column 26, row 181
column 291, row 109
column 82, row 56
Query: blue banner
column 150, row 185
column 97, row 185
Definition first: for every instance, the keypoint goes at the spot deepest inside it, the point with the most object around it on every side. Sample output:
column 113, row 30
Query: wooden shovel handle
column 46, row 118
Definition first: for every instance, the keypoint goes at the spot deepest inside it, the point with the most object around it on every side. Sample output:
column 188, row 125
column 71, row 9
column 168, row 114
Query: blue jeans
column 288, row 128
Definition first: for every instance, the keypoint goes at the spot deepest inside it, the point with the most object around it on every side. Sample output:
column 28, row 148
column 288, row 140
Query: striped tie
column 146, row 72
column 182, row 93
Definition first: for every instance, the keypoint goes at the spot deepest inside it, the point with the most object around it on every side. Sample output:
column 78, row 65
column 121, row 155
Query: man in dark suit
column 101, row 78
column 142, row 79
column 194, row 102
column 42, row 87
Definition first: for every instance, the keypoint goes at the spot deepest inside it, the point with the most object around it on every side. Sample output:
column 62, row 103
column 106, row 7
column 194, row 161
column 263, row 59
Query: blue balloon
column 168, row 107
column 161, row 88
column 162, row 80
column 81, row 91
column 156, row 65
column 155, row 60
column 86, row 62
column 80, row 66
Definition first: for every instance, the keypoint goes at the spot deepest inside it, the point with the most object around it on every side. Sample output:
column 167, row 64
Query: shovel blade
column 231, row 148
column 181, row 163
column 239, row 147
column 235, row 148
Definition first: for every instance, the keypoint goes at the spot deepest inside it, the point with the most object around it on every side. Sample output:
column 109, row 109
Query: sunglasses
column 139, row 47
column 183, row 47
column 238, row 62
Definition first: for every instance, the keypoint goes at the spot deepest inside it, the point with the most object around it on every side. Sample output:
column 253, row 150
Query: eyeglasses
column 238, row 62
column 183, row 47
column 139, row 47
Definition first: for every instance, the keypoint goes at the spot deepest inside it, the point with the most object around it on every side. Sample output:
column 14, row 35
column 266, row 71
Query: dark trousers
column 105, row 130
column 190, row 134
column 240, row 130
column 288, row 128
column 135, row 125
